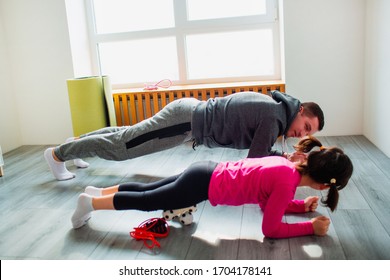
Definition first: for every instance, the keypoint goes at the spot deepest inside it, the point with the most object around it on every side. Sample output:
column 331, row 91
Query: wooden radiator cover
column 133, row 106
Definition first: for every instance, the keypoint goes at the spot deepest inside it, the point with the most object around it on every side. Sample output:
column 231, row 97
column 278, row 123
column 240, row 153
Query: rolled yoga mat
column 87, row 104
column 107, row 89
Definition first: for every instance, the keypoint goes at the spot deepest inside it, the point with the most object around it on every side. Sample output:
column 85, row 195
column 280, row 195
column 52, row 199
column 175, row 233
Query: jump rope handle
column 165, row 83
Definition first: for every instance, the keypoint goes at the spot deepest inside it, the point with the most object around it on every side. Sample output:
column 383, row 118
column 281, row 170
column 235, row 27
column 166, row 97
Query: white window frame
column 184, row 27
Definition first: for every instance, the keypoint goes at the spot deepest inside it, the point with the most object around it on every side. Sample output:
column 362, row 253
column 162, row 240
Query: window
column 187, row 41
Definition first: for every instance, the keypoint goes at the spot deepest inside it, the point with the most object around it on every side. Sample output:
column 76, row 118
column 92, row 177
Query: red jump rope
column 149, row 230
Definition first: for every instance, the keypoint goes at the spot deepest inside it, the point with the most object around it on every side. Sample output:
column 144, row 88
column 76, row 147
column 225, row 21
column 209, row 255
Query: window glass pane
column 229, row 54
column 209, row 9
column 148, row 60
column 132, row 15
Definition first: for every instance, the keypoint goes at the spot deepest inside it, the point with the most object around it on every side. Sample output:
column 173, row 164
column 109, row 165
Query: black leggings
column 175, row 192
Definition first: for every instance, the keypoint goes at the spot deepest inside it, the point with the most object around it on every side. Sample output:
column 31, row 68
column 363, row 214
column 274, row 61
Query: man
column 245, row 120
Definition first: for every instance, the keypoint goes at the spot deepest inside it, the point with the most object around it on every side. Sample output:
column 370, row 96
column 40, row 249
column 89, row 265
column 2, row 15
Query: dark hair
column 329, row 165
column 312, row 110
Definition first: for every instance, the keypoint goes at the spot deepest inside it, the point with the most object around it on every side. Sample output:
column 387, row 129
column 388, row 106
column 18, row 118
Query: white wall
column 10, row 134
column 79, row 41
column 39, row 62
column 324, row 57
column 377, row 74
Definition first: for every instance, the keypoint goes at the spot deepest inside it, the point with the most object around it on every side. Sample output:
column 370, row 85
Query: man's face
column 303, row 125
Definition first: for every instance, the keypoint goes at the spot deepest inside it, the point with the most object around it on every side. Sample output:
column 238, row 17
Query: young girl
column 270, row 182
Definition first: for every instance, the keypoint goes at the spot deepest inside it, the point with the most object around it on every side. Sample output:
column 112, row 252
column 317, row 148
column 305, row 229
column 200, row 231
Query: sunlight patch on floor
column 314, row 251
column 212, row 238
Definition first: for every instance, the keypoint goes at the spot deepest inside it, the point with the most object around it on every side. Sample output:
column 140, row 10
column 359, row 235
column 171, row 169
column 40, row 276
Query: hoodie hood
column 291, row 105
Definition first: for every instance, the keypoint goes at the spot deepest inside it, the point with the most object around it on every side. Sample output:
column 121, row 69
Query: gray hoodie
column 244, row 120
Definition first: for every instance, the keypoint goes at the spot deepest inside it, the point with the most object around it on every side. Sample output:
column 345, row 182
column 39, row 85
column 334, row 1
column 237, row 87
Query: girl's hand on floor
column 320, row 225
column 311, row 203
column 297, row 157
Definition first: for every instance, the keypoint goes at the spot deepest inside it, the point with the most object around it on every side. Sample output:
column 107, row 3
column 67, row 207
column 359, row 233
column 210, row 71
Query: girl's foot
column 93, row 191
column 83, row 211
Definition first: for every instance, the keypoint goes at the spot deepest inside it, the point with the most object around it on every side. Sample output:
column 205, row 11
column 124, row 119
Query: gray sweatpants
column 166, row 129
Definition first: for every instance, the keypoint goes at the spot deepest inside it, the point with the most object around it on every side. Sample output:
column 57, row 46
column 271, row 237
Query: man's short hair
column 312, row 109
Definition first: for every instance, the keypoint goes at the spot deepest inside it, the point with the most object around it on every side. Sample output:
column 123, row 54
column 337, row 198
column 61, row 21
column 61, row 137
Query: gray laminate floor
column 35, row 212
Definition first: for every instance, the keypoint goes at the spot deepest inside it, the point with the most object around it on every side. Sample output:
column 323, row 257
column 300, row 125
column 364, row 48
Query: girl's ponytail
column 332, row 198
column 307, row 143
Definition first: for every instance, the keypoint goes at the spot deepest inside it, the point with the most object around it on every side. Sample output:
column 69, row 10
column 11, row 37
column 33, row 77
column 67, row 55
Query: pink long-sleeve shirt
column 271, row 183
